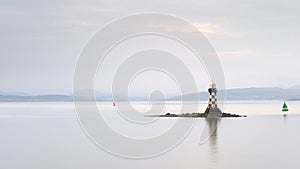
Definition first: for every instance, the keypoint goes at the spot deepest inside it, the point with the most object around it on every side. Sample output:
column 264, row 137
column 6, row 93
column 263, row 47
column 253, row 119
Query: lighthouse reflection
column 213, row 141
column 213, row 129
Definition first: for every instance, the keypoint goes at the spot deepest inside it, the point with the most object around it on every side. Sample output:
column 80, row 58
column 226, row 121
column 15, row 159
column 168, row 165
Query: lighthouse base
column 209, row 113
column 213, row 112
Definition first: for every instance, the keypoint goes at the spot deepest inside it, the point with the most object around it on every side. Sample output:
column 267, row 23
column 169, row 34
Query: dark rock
column 198, row 115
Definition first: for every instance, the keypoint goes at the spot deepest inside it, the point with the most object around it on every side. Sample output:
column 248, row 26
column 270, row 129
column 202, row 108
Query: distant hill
column 82, row 95
column 36, row 98
column 295, row 87
column 263, row 93
column 257, row 93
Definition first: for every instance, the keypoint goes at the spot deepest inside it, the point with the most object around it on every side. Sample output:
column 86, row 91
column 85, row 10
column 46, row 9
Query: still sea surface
column 49, row 136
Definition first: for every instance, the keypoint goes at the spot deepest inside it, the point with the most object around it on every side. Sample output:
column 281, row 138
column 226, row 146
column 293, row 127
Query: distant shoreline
column 238, row 94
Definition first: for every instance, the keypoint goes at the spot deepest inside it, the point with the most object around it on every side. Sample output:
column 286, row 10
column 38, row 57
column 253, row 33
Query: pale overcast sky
column 257, row 41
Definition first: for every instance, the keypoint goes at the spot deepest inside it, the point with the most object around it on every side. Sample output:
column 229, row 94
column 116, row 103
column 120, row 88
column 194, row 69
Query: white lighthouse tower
column 212, row 101
column 212, row 108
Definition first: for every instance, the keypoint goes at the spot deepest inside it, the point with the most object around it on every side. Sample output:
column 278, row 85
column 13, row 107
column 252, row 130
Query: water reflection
column 213, row 141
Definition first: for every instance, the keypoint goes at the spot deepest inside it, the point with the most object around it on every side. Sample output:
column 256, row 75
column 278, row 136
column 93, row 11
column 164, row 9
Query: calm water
column 48, row 135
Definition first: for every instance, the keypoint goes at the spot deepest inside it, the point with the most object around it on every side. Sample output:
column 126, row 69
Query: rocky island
column 211, row 111
column 197, row 115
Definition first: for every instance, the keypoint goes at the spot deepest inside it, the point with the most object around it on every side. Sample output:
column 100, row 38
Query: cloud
column 214, row 29
column 205, row 28
column 235, row 53
column 90, row 9
column 208, row 28
column 77, row 22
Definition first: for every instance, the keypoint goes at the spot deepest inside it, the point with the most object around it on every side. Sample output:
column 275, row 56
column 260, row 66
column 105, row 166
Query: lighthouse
column 212, row 107
column 212, row 101
column 212, row 112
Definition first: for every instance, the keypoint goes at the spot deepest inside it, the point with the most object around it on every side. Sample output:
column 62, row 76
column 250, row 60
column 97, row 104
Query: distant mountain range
column 257, row 93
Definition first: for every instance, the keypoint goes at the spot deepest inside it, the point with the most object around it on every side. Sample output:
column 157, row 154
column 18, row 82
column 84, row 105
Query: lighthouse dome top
column 213, row 85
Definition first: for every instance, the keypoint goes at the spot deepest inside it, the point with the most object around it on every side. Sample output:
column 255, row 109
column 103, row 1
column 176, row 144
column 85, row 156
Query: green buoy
column 285, row 107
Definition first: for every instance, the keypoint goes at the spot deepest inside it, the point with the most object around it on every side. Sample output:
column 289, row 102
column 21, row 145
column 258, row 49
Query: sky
column 257, row 41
